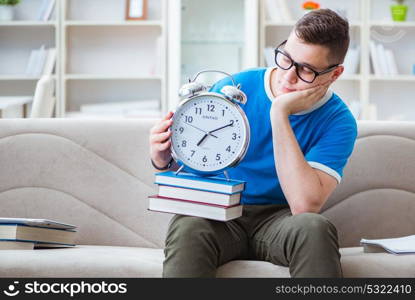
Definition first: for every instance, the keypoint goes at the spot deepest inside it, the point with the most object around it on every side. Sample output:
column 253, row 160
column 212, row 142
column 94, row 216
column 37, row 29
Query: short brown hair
column 326, row 28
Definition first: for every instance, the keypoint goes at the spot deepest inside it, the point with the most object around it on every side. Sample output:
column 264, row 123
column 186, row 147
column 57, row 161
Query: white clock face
column 209, row 133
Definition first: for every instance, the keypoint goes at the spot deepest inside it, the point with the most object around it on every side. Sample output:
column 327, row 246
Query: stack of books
column 23, row 233
column 207, row 197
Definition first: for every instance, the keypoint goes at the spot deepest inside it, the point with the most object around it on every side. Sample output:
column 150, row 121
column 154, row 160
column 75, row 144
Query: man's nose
column 291, row 76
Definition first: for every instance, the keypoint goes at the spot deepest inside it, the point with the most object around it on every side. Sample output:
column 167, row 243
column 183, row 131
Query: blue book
column 191, row 181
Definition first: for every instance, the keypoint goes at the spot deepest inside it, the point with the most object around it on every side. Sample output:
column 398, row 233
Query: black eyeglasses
column 303, row 71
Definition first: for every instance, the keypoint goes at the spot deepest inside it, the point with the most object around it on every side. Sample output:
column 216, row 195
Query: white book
column 199, row 196
column 42, row 9
column 382, row 59
column 391, row 62
column 48, row 10
column 214, row 212
column 40, row 61
column 31, row 62
column 49, row 62
column 401, row 245
column 375, row 59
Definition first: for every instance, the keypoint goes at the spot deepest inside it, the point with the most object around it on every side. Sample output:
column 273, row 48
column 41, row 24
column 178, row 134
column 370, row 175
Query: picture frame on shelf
column 136, row 10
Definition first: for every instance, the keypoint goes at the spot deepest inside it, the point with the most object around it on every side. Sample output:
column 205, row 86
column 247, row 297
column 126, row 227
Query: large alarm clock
column 210, row 131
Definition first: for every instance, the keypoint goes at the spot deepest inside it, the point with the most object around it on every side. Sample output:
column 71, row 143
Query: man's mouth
column 287, row 90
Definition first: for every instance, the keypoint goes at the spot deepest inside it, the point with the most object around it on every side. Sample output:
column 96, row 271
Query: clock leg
column 178, row 171
column 226, row 175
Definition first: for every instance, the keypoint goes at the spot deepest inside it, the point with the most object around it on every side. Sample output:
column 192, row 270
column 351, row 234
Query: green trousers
column 306, row 243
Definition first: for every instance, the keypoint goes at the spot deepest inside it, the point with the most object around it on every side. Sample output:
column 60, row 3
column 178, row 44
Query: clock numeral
column 218, row 156
column 181, row 129
column 188, row 119
column 211, row 107
column 234, row 135
column 204, row 159
column 223, row 112
column 228, row 149
column 231, row 122
column 198, row 110
column 184, row 144
column 193, row 153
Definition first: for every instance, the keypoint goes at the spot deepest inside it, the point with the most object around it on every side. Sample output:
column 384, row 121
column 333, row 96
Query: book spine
column 194, row 202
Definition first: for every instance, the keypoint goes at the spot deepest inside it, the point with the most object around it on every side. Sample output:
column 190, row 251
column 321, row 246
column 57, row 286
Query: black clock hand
column 230, row 124
column 201, row 130
column 202, row 139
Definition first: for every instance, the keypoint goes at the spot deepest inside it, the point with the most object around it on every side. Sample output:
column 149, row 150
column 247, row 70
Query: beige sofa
column 96, row 174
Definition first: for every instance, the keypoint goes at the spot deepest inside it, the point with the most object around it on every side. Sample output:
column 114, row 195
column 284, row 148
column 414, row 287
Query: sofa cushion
column 83, row 261
column 110, row 261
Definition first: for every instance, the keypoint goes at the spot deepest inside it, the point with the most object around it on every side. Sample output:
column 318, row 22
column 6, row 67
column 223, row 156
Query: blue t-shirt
column 326, row 134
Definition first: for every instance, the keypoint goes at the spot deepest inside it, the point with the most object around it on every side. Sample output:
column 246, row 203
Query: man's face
column 315, row 56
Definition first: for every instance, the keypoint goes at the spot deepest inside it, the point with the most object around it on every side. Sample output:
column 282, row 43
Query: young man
column 301, row 137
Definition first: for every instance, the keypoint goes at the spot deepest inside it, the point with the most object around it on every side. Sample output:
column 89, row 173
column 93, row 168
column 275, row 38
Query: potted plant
column 399, row 11
column 6, row 9
column 309, row 6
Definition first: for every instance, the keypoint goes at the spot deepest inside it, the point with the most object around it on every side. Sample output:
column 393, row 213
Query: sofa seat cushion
column 82, row 261
column 355, row 263
column 111, row 261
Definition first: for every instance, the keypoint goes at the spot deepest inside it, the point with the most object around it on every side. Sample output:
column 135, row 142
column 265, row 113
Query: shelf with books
column 369, row 21
column 103, row 50
column 35, row 26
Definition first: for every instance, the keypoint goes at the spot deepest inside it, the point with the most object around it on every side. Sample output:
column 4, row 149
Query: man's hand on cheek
column 294, row 102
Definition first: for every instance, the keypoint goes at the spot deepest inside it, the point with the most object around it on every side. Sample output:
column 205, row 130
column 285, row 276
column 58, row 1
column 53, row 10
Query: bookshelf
column 102, row 58
column 18, row 38
column 107, row 59
column 381, row 97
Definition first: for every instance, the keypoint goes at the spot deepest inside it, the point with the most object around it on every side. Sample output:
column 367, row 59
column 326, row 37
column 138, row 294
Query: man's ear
column 337, row 72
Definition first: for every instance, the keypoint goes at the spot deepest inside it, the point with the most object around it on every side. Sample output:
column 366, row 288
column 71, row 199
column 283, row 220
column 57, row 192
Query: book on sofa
column 37, row 222
column 24, row 233
column 400, row 245
column 194, row 208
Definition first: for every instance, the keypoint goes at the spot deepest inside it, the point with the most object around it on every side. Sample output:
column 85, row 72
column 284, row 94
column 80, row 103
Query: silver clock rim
column 244, row 147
